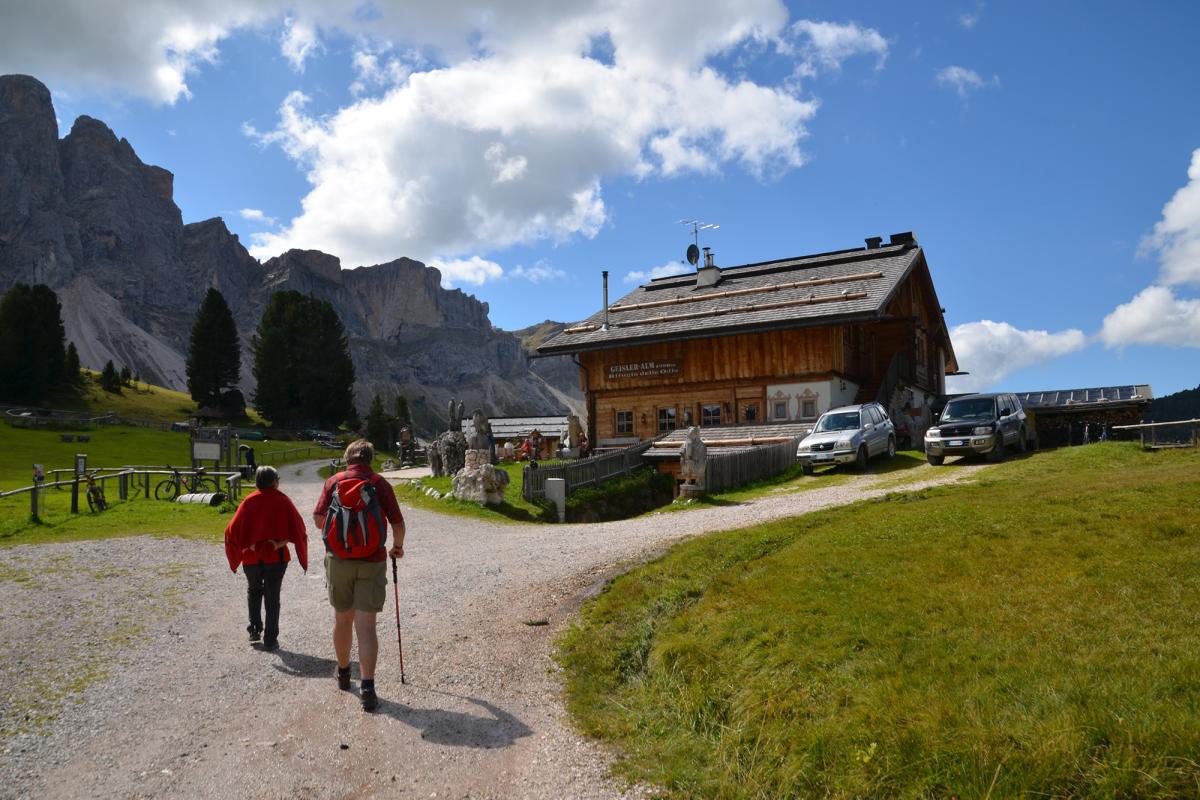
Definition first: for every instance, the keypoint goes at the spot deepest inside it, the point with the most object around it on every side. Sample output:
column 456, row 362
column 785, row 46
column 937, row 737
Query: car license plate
column 956, row 443
column 821, row 457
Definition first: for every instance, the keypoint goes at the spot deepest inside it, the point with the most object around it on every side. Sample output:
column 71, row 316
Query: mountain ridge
column 84, row 215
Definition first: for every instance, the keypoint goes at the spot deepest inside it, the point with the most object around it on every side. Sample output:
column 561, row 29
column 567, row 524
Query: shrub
column 621, row 498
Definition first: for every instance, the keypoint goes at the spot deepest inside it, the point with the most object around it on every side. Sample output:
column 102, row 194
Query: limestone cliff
column 85, row 216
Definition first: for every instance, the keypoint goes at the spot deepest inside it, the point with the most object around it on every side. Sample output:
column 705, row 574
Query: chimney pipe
column 708, row 257
column 873, row 242
column 605, row 274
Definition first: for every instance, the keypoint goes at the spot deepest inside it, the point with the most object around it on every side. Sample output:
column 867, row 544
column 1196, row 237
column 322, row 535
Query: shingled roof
column 821, row 289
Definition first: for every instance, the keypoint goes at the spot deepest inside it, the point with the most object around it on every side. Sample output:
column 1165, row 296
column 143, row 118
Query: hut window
column 624, row 422
column 781, row 409
column 752, row 412
column 810, row 409
column 710, row 414
column 666, row 419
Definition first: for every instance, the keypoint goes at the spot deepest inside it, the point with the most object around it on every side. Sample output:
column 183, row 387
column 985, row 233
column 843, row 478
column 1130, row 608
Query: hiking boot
column 255, row 633
column 344, row 681
column 370, row 700
column 271, row 645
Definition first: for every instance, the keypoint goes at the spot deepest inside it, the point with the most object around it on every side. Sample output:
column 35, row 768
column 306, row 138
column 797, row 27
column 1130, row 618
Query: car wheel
column 997, row 453
column 936, row 461
column 1022, row 442
column 891, row 451
column 860, row 460
column 806, row 468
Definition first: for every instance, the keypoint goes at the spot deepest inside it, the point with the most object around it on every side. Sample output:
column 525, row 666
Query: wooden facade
column 781, row 371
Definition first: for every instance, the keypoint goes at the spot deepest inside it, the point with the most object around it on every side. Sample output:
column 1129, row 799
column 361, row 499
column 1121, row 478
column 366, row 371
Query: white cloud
column 300, row 42
column 1176, row 237
column 990, row 351
column 475, row 126
column 474, row 270
column 1154, row 316
column 255, row 215
column 827, row 44
column 964, row 81
column 666, row 270
column 538, row 273
column 970, row 19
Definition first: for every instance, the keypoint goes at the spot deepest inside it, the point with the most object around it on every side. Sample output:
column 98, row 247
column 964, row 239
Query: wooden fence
column 582, row 472
column 1164, row 435
column 128, row 480
column 725, row 470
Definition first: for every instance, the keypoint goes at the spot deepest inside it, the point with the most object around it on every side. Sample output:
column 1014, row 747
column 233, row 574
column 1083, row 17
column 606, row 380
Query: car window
column 969, row 408
column 876, row 417
column 840, row 421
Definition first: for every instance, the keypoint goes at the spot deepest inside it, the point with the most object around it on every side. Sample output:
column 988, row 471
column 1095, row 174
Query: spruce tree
column 71, row 375
column 302, row 367
column 214, row 361
column 401, row 412
column 32, row 343
column 110, row 381
column 126, row 377
column 377, row 427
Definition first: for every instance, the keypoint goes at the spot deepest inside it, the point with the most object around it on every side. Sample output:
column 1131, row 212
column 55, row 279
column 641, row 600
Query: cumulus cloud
column 963, row 80
column 538, row 273
column 827, row 44
column 256, row 215
column 1154, row 316
column 666, row 270
column 1176, row 237
column 991, row 351
column 474, row 126
column 474, row 270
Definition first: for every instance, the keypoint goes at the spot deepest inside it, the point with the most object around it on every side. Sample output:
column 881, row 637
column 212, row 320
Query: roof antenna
column 693, row 251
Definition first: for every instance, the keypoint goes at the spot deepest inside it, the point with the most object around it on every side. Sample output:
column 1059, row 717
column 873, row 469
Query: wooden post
column 123, row 486
column 146, row 476
column 33, row 501
column 75, row 495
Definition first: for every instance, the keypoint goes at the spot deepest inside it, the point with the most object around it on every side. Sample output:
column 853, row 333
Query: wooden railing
column 125, row 478
column 1159, row 435
column 582, row 472
column 725, row 470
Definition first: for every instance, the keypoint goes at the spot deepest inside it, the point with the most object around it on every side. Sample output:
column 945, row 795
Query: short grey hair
column 266, row 477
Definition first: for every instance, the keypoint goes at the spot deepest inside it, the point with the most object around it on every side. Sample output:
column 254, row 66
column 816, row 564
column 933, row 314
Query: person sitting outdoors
column 257, row 538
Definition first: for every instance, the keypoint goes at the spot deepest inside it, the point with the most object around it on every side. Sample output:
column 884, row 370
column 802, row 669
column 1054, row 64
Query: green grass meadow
column 1035, row 633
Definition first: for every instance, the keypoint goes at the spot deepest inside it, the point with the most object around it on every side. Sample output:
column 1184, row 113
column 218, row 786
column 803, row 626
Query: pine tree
column 110, row 381
column 214, row 360
column 126, row 377
column 377, row 426
column 302, row 365
column 32, row 343
column 71, row 374
column 401, row 413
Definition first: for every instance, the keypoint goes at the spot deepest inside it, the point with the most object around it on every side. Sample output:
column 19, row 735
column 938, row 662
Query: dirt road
column 185, row 707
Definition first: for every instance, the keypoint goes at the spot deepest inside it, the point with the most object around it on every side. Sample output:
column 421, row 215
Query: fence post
column 33, row 501
column 146, row 475
column 123, row 486
column 75, row 495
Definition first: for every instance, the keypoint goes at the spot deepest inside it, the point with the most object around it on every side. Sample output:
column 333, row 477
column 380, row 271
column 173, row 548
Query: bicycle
column 95, row 493
column 171, row 488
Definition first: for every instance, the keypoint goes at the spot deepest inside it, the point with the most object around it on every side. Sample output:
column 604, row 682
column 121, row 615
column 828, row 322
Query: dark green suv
column 979, row 424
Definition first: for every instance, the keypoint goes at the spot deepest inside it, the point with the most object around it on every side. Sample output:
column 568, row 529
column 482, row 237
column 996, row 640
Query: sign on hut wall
column 642, row 369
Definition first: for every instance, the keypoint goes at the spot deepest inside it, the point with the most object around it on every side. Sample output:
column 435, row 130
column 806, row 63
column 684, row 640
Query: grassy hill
column 1030, row 634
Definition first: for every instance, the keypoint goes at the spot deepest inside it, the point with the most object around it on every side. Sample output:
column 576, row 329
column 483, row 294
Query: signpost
column 39, row 475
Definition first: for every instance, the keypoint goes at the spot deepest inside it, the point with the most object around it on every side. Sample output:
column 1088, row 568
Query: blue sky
column 1040, row 151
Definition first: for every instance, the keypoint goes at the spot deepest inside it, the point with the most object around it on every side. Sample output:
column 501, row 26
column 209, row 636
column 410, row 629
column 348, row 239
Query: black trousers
column 263, row 584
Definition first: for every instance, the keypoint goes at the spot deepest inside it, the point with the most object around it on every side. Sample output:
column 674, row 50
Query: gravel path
column 180, row 705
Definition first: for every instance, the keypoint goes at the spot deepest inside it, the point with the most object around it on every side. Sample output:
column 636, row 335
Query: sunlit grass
column 1033, row 633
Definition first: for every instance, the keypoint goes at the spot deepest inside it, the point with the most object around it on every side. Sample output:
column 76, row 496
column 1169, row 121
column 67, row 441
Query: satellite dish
column 693, row 254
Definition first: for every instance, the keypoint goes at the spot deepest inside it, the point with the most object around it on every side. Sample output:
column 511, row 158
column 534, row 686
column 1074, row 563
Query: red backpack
column 354, row 524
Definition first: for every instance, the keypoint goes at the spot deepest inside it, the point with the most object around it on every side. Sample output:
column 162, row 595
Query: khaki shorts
column 361, row 585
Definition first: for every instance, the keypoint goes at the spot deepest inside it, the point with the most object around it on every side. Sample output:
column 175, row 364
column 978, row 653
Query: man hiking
column 351, row 513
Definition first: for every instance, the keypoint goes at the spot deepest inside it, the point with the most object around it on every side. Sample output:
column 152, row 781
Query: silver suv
column 983, row 424
column 848, row 434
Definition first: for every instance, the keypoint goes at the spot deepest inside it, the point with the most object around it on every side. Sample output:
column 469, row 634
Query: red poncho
column 265, row 515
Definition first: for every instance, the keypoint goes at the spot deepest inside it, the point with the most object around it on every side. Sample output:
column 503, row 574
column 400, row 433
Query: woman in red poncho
column 257, row 538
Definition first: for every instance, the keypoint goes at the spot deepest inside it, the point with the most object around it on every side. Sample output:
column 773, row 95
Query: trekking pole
column 399, row 638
